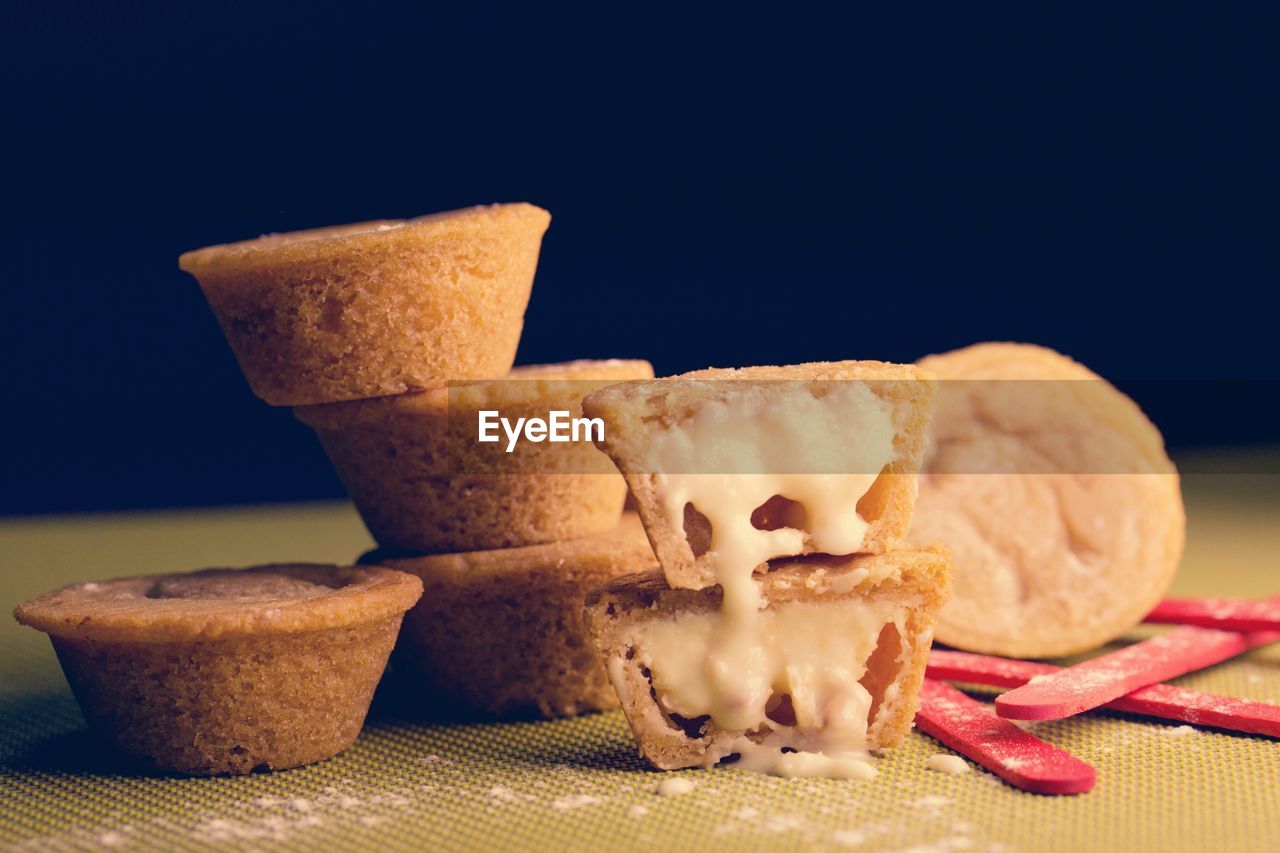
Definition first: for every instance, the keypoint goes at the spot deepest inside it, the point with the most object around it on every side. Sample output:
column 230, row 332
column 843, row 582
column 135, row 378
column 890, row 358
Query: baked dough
column 500, row 633
column 423, row 484
column 375, row 308
column 911, row 584
column 755, row 410
column 226, row 671
column 1056, row 497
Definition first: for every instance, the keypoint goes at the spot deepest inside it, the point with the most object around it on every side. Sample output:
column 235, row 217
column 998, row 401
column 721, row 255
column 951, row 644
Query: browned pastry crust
column 500, row 633
column 919, row 580
column 423, row 484
column 375, row 308
column 227, row 671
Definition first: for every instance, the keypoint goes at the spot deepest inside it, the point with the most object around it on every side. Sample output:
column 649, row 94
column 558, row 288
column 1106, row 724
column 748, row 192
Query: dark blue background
column 728, row 188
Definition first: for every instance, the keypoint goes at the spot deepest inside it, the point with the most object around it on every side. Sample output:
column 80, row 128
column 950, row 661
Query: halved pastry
column 829, row 668
column 732, row 468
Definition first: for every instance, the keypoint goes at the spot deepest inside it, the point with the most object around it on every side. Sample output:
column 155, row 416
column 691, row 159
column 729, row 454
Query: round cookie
column 424, row 484
column 375, row 308
column 227, row 671
column 1056, row 497
column 501, row 633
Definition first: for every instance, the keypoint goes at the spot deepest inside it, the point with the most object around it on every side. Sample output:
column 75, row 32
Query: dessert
column 1056, row 497
column 732, row 468
column 424, row 483
column 375, row 308
column 500, row 633
column 226, row 671
column 832, row 667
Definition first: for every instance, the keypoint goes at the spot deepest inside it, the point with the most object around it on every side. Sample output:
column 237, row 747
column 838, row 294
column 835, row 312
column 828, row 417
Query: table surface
column 578, row 784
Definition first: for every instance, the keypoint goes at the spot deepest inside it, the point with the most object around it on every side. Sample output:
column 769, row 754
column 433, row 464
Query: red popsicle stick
column 1102, row 679
column 1227, row 614
column 1024, row 761
column 946, row 665
column 1158, row 700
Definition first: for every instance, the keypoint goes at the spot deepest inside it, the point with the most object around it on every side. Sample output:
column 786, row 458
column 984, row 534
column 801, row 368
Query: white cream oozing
column 733, row 455
column 813, row 653
column 946, row 763
column 730, row 458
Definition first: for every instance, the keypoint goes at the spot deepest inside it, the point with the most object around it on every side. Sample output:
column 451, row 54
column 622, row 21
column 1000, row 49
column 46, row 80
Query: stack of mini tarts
column 388, row 339
column 227, row 671
column 518, row 539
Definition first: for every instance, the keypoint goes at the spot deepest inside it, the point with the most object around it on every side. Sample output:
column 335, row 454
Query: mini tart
column 227, row 671
column 903, row 588
column 424, row 484
column 641, row 416
column 500, row 633
column 375, row 308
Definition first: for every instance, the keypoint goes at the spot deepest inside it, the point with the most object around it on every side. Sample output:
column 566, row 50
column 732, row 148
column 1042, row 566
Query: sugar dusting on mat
column 504, row 794
column 271, row 815
column 574, row 801
column 254, row 820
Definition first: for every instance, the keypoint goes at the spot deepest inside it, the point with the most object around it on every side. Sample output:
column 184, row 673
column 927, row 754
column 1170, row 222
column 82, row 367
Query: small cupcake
column 501, row 633
column 226, row 671
column 425, row 483
column 375, row 308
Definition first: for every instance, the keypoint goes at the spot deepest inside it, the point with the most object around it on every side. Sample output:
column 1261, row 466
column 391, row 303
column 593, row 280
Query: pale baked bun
column 1056, row 497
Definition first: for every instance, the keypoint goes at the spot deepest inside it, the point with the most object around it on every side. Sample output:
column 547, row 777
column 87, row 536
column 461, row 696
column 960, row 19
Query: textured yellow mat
column 577, row 784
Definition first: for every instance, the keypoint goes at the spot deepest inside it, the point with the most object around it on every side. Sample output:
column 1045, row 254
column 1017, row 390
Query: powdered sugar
column 574, row 801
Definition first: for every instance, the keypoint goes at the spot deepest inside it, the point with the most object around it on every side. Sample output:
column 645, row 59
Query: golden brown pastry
column 500, row 633
column 424, row 484
column 375, row 308
column 226, row 671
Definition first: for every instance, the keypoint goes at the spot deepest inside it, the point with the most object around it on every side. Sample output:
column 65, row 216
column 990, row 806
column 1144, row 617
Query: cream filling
column 732, row 456
column 813, row 653
column 727, row 460
column 953, row 764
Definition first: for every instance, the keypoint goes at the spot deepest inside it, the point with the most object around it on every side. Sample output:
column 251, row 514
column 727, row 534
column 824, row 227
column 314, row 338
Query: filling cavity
column 801, row 687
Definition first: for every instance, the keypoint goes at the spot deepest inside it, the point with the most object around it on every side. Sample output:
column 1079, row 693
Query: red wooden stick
column 946, row 665
column 1102, row 679
column 1024, row 761
column 1227, row 614
column 1158, row 700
